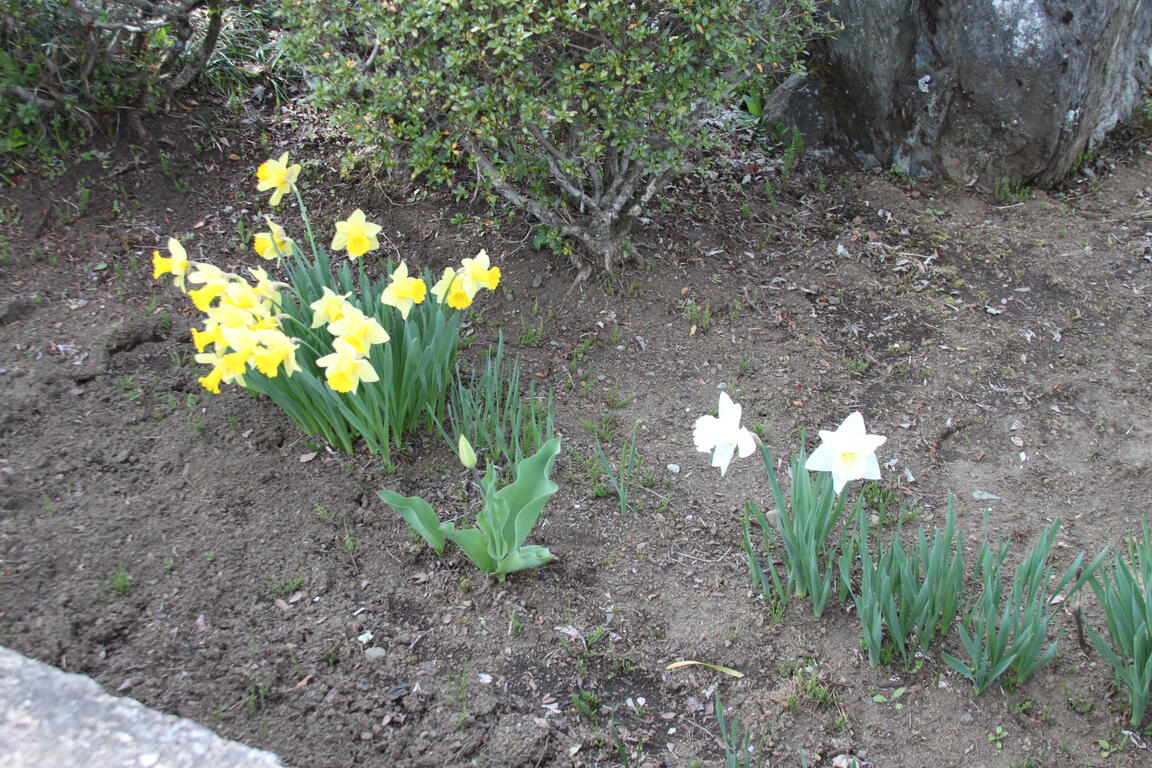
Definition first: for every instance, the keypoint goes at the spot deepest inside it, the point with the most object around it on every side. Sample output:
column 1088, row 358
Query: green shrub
column 577, row 111
column 62, row 63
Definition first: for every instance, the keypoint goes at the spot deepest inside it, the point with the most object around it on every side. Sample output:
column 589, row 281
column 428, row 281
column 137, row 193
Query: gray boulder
column 981, row 92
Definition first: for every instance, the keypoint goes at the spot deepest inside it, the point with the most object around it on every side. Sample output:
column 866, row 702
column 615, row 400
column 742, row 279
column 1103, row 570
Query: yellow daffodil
column 404, row 291
column 276, row 349
column 849, row 453
column 359, row 330
column 227, row 368
column 329, row 308
column 345, row 369
column 357, row 235
column 230, row 316
column 212, row 334
column 272, row 244
column 450, row 290
column 475, row 274
column 176, row 265
column 443, row 284
column 243, row 341
column 214, row 280
column 278, row 176
column 266, row 288
column 238, row 293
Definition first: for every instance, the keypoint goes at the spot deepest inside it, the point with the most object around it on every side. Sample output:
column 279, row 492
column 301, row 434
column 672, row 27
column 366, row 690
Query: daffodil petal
column 705, row 434
column 722, row 455
column 745, row 443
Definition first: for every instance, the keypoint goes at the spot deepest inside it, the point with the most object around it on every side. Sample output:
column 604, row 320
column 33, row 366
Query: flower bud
column 467, row 455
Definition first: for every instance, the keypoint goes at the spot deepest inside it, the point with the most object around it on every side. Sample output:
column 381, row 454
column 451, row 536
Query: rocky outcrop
column 982, row 92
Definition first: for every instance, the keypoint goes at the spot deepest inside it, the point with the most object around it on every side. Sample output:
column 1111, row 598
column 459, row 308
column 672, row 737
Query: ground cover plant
column 204, row 554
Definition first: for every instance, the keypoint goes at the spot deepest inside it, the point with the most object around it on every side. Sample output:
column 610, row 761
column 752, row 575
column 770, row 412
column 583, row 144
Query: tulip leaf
column 496, row 544
column 419, row 515
column 496, row 521
column 474, row 544
column 716, row 667
column 531, row 490
column 525, row 557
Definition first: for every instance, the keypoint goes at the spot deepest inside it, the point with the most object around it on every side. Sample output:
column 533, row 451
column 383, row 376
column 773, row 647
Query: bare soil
column 1002, row 348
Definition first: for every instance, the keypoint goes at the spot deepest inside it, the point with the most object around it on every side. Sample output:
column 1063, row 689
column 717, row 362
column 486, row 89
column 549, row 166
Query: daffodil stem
column 307, row 222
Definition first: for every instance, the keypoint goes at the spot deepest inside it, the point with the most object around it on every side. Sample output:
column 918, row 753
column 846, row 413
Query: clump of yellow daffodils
column 241, row 328
column 338, row 320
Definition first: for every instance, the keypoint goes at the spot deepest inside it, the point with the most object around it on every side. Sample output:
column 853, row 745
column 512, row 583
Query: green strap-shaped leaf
column 419, row 515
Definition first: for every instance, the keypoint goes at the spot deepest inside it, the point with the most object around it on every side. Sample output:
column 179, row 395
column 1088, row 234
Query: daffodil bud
column 467, row 455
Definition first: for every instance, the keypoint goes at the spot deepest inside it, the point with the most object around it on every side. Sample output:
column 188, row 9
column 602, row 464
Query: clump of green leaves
column 623, row 479
column 119, row 582
column 499, row 419
column 1124, row 590
column 496, row 543
column 911, row 598
column 576, row 112
column 805, row 524
column 1007, row 633
column 739, row 751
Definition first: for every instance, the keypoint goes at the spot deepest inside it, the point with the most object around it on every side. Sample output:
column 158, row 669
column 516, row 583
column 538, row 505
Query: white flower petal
column 706, row 433
column 823, row 458
column 722, row 456
column 729, row 412
column 853, row 426
column 745, row 443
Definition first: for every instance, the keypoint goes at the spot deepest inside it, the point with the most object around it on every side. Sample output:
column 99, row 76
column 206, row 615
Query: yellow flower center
column 358, row 243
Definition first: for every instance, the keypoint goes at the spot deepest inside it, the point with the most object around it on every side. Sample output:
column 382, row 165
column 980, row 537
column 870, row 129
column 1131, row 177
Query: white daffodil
column 849, row 453
column 723, row 435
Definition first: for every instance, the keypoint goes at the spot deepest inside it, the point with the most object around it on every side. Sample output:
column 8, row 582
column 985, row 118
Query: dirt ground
column 199, row 554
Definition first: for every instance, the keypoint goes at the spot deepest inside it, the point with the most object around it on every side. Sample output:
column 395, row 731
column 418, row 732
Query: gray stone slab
column 50, row 718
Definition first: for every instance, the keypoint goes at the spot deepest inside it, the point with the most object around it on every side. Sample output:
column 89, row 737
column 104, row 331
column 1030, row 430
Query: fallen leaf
column 716, row 667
